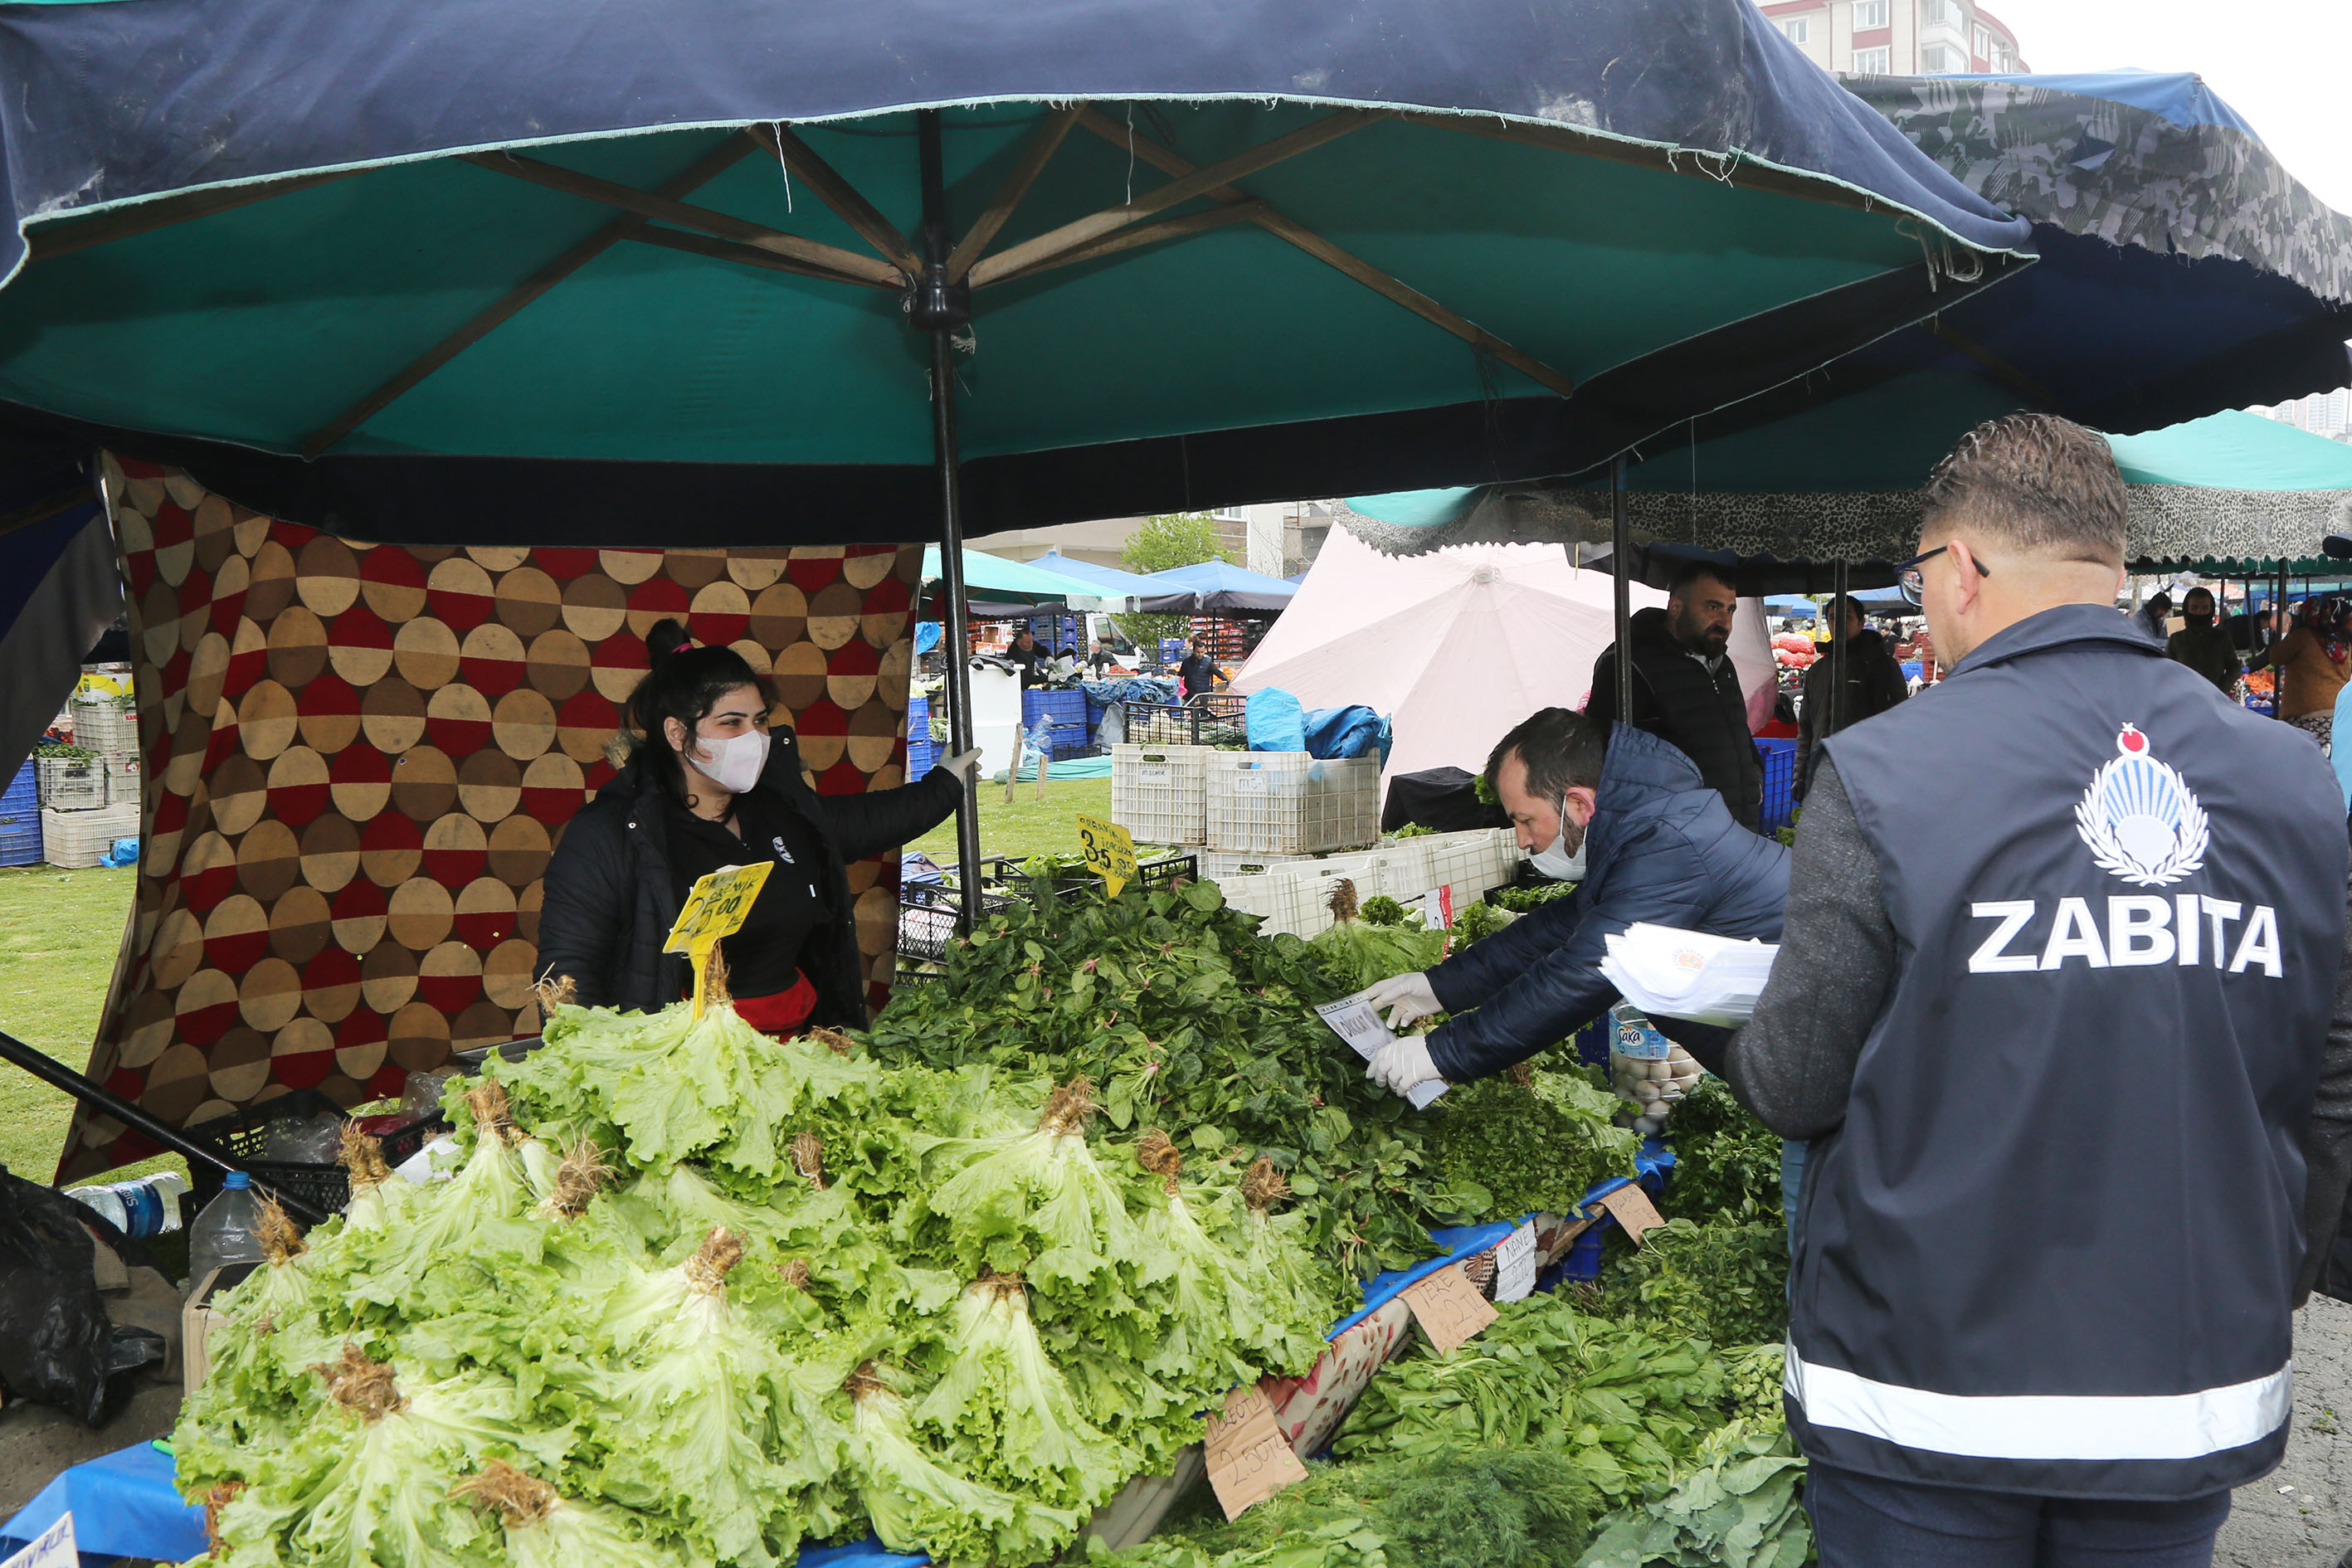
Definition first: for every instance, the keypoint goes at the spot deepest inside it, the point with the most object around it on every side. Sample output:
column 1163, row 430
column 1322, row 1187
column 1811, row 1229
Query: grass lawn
column 1027, row 827
column 59, row 932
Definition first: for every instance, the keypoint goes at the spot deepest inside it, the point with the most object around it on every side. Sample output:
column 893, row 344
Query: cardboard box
column 199, row 1318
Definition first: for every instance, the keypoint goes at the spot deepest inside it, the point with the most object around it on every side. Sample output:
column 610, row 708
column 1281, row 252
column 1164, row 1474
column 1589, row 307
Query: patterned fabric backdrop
column 358, row 758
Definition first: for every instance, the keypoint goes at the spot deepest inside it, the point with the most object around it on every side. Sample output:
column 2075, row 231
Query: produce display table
column 123, row 1505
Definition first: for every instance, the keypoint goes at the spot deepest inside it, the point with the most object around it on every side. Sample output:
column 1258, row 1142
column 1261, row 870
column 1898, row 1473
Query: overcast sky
column 2285, row 65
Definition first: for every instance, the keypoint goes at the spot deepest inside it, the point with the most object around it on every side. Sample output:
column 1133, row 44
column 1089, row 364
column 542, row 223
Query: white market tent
column 1456, row 646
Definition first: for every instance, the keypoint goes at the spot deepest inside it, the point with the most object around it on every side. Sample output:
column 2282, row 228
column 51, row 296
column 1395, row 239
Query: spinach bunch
column 1727, row 1164
column 1530, row 1141
column 1727, row 1284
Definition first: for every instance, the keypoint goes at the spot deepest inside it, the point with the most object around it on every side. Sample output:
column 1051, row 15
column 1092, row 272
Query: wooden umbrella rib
column 1149, row 234
column 1033, row 159
column 839, row 194
column 817, row 259
column 1348, row 264
column 1029, row 253
column 707, row 168
column 50, row 240
column 750, row 256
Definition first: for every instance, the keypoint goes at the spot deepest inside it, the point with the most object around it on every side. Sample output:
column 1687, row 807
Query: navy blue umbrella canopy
column 433, row 270
column 2183, row 271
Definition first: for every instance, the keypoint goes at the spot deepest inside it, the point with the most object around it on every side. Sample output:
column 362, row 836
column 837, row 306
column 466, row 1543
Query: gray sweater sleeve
column 2327, row 1142
column 1793, row 1064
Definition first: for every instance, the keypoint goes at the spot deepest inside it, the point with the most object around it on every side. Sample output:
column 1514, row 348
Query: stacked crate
column 1062, row 715
column 20, row 819
column 87, row 803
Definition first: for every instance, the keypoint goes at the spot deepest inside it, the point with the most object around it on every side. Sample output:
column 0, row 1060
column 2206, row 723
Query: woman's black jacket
column 611, row 899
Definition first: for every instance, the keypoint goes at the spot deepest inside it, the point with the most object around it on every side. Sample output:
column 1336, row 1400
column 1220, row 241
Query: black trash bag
column 56, row 1340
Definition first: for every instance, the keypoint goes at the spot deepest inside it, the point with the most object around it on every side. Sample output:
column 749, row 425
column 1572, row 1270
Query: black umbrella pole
column 105, row 1101
column 1837, row 655
column 942, row 308
column 1620, row 561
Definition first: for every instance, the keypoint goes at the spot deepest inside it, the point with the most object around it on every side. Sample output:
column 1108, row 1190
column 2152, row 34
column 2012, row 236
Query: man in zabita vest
column 2054, row 1000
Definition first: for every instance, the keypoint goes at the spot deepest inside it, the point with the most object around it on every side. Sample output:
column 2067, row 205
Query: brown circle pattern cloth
column 360, row 757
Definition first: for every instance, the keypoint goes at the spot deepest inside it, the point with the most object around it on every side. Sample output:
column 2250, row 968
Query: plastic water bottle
column 148, row 1207
column 227, row 1231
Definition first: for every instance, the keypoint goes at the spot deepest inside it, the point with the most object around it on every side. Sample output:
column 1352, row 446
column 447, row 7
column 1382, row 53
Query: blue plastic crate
column 1054, row 708
column 23, row 790
column 20, row 820
column 919, row 715
column 1780, row 782
column 921, row 756
column 1172, row 649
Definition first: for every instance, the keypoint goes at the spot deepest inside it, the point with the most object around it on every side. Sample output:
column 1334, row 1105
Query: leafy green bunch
column 1622, row 1403
column 1727, row 1164
column 1725, row 1283
column 1188, row 1019
column 1519, row 901
column 1530, row 1141
column 806, row 1295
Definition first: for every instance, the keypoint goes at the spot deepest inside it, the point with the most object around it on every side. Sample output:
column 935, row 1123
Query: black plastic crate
column 1212, row 719
column 1001, row 872
column 928, row 913
column 242, row 1135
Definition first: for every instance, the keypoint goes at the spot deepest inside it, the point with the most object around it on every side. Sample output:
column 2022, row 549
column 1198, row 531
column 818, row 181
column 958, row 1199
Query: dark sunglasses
column 1907, row 577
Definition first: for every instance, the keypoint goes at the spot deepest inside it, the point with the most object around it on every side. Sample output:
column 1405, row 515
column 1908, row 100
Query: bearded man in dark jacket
column 1686, row 691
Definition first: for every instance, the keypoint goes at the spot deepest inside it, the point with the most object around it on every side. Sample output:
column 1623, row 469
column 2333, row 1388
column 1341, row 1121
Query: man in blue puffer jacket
column 1643, row 838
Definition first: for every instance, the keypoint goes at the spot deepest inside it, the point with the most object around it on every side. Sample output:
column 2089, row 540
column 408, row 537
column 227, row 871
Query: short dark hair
column 1691, row 572
column 1562, row 749
column 2042, row 483
column 2192, row 593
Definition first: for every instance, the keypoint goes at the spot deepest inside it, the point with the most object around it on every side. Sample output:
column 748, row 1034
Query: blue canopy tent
column 1214, row 585
column 2184, row 272
column 997, row 588
column 1141, row 592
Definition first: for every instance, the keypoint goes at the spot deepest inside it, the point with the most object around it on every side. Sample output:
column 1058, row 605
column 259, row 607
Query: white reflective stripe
column 2045, row 1426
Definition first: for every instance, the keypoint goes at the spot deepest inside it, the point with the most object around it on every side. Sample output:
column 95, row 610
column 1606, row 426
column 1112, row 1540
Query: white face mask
column 1556, row 862
column 735, row 763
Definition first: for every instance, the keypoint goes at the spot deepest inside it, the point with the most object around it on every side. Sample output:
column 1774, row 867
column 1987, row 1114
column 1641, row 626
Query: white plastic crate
column 121, row 769
column 72, row 838
column 103, row 726
column 1222, row 866
column 1290, row 900
column 71, row 783
column 1289, row 802
column 1156, row 793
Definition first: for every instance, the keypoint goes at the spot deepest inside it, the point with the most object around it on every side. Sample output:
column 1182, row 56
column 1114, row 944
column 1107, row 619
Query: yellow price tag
column 715, row 909
column 1109, row 850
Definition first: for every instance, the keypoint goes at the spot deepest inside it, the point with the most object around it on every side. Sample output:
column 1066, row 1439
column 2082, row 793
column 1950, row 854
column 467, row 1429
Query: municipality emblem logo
column 2138, row 818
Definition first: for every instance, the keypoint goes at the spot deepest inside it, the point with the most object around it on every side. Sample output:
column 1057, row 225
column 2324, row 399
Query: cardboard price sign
column 1109, row 850
column 1632, row 1208
column 1449, row 1309
column 1249, row 1459
column 715, row 909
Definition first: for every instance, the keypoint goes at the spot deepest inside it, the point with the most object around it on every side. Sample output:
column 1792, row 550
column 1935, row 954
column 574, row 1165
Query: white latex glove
column 1407, row 996
column 1402, row 1064
column 960, row 764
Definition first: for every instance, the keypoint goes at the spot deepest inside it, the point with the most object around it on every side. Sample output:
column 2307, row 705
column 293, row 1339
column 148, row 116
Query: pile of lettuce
column 1188, row 1018
column 692, row 1295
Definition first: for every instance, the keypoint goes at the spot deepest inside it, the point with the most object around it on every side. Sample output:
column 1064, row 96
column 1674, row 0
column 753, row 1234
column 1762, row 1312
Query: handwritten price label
column 1449, row 1308
column 715, row 909
column 1109, row 850
column 1633, row 1209
column 1248, row 1458
column 1514, row 1264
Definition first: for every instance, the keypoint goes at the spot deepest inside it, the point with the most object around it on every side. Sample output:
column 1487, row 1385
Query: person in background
column 1874, row 683
column 2152, row 615
column 1199, row 673
column 711, row 784
column 1686, row 691
column 2066, row 939
column 1033, row 660
column 2312, row 669
column 1643, row 838
column 1103, row 660
column 2202, row 646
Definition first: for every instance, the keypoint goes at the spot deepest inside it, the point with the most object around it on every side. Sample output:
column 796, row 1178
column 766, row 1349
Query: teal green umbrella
column 994, row 586
column 2236, row 495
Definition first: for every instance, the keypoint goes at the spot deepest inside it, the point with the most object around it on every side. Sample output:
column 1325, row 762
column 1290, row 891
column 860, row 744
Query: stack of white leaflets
column 1687, row 973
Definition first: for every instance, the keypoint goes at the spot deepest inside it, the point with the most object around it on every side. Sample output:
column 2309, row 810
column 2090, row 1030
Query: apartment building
column 2327, row 413
column 1898, row 37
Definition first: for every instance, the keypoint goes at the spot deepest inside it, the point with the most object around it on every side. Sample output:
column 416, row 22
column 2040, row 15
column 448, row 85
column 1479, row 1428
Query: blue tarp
column 1354, row 730
column 926, row 635
column 123, row 1504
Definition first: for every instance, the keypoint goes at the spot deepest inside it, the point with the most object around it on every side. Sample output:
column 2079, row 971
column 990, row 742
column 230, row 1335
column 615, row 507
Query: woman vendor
column 707, row 785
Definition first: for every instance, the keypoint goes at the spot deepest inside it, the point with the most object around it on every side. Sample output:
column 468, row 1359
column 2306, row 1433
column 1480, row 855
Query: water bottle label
column 143, row 1208
column 1637, row 1039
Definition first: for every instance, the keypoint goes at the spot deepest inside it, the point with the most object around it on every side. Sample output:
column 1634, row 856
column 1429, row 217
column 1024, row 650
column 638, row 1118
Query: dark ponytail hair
column 685, row 683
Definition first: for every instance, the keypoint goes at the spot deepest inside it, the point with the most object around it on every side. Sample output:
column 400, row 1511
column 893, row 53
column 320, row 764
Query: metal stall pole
column 1837, row 655
column 1620, row 561
column 941, row 309
column 106, row 1102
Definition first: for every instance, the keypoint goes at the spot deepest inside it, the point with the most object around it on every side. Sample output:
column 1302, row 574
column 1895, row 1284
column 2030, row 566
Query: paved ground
column 2300, row 1517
